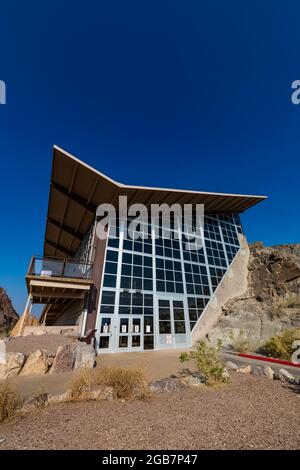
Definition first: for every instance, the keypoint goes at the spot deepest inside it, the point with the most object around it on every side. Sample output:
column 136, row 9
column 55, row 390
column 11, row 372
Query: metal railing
column 57, row 267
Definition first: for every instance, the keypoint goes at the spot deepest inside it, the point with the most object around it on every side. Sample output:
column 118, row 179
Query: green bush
column 280, row 346
column 207, row 362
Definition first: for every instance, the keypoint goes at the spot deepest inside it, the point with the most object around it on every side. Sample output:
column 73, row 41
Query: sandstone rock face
column 264, row 309
column 8, row 315
column 85, row 356
column 36, row 364
column 65, row 359
column 14, row 363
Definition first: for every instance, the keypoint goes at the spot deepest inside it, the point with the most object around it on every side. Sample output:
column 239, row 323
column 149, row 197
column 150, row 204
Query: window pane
column 108, row 297
column 148, row 342
column 164, row 313
column 164, row 327
column 178, row 314
column 109, row 280
column 179, row 327
column 112, row 255
column 148, row 325
column 111, row 268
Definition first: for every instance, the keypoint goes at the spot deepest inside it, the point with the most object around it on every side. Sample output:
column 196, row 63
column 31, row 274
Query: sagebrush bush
column 280, row 346
column 10, row 401
column 126, row 382
column 207, row 362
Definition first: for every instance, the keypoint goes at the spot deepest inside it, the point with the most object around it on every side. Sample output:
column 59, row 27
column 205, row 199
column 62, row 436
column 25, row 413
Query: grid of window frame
column 196, row 305
column 229, row 232
column 167, row 248
column 196, row 279
column 136, row 272
column 141, row 245
column 107, row 302
column 231, row 252
column 215, row 253
column 136, row 266
column 211, row 229
column 216, row 275
column 169, row 276
column 135, row 303
column 110, row 269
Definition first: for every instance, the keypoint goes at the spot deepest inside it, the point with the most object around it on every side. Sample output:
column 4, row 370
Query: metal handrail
column 59, row 267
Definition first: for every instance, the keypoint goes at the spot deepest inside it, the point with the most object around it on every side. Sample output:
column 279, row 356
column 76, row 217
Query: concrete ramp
column 234, row 284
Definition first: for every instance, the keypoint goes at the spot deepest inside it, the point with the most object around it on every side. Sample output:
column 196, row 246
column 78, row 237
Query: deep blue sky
column 187, row 94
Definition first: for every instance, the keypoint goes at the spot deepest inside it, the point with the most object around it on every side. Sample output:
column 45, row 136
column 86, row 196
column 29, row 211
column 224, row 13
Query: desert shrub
column 10, row 401
column 82, row 380
column 126, row 382
column 207, row 362
column 280, row 346
column 240, row 342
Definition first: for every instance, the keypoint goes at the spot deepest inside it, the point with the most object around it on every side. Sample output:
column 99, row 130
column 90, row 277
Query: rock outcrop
column 271, row 302
column 8, row 315
column 36, row 363
column 12, row 366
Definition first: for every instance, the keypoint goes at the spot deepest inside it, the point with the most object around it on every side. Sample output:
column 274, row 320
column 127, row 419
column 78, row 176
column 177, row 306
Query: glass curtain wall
column 155, row 290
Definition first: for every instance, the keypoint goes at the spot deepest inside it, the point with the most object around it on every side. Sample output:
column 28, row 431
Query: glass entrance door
column 105, row 333
column 130, row 333
column 171, row 323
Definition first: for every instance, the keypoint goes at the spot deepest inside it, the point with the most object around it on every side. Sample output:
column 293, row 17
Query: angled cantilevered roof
column 77, row 189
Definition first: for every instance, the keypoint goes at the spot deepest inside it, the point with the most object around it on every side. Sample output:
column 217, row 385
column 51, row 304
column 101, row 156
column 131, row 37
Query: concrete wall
column 48, row 330
column 98, row 267
column 234, row 284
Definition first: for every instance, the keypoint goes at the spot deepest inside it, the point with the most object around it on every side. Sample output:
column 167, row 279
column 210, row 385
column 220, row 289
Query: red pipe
column 269, row 359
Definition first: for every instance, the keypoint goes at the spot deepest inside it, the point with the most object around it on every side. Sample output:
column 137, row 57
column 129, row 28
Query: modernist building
column 142, row 294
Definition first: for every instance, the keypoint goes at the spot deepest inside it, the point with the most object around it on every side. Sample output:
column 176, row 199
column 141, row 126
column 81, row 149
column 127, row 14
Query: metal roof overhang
column 77, row 189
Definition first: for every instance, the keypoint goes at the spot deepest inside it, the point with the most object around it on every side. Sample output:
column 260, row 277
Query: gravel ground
column 249, row 413
column 28, row 344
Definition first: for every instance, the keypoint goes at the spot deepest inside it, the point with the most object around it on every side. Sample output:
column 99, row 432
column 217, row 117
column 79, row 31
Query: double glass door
column 171, row 323
column 130, row 333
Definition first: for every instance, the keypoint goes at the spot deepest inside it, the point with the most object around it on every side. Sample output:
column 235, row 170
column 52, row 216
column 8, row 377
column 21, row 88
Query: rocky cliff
column 8, row 315
column 271, row 302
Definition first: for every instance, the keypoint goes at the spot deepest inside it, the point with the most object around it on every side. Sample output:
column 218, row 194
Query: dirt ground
column 28, row 344
column 249, row 413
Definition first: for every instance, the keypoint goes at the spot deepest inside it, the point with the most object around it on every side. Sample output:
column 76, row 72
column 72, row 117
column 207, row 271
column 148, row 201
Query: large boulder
column 65, row 358
column 13, row 365
column 36, row 364
column 85, row 356
column 285, row 376
column 169, row 384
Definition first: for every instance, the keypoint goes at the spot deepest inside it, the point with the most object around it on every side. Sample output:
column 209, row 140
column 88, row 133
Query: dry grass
column 126, row 382
column 240, row 342
column 10, row 401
